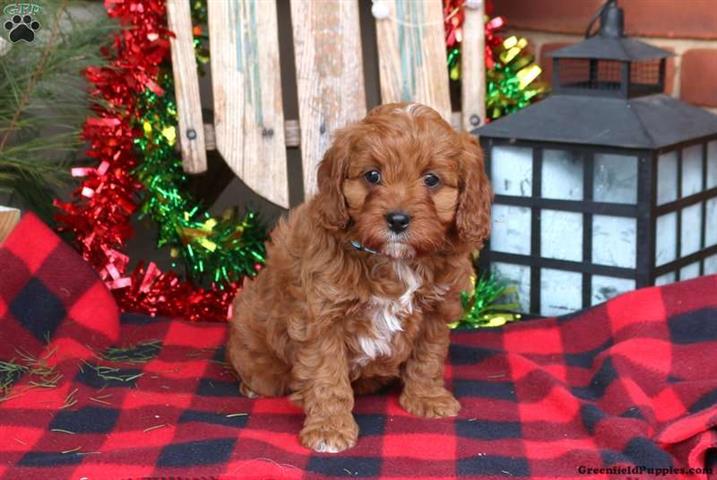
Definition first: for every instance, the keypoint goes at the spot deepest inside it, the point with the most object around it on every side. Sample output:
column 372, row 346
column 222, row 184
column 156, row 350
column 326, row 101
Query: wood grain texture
column 186, row 88
column 473, row 69
column 412, row 54
column 8, row 219
column 248, row 114
column 291, row 134
column 329, row 75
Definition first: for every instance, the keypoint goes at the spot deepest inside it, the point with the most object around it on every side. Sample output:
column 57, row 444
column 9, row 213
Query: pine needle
column 44, row 375
column 141, row 352
column 70, row 400
column 10, row 372
column 133, row 377
column 154, row 427
column 25, row 356
column 50, row 353
column 112, row 373
column 40, row 373
column 99, row 400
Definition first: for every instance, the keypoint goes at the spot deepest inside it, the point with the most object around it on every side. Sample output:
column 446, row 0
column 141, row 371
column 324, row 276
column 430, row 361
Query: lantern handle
column 599, row 15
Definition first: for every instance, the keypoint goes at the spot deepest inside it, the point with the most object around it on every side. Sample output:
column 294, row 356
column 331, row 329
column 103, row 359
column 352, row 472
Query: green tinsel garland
column 481, row 307
column 214, row 249
column 510, row 84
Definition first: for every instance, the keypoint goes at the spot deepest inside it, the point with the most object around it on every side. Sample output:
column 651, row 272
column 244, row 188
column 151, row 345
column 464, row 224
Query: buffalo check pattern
column 629, row 383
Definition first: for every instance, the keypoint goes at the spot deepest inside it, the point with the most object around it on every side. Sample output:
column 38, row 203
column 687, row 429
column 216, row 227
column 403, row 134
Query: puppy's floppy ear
column 474, row 199
column 331, row 204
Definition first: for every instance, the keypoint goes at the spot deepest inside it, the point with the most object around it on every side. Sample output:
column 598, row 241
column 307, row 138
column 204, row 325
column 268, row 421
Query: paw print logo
column 22, row 28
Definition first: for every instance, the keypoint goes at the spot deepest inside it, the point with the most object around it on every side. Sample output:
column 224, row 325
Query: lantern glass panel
column 691, row 170
column 615, row 178
column 511, row 229
column 614, row 241
column 712, row 164
column 512, row 171
column 691, row 229
column 690, row 271
column 711, row 265
column 562, row 175
column 604, row 288
column 518, row 275
column 555, row 228
column 711, row 223
column 560, row 291
column 666, row 242
column 667, row 178
column 665, row 279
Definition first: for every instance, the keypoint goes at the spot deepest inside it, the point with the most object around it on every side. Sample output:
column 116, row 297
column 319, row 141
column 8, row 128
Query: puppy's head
column 404, row 183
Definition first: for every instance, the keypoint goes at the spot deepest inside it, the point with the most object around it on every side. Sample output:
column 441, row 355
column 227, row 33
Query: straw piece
column 154, row 427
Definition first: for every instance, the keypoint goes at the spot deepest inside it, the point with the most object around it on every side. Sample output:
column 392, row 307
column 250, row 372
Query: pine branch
column 35, row 76
column 44, row 101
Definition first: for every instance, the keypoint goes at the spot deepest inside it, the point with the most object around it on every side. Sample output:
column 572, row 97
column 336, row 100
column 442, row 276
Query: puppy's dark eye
column 373, row 177
column 431, row 180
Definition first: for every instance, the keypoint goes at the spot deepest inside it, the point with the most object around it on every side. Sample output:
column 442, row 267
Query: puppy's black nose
column 398, row 221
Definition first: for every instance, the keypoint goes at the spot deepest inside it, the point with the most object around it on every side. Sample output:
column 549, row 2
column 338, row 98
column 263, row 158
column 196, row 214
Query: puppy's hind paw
column 438, row 405
column 331, row 435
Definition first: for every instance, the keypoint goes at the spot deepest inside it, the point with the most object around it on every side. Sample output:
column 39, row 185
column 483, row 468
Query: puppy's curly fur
column 325, row 320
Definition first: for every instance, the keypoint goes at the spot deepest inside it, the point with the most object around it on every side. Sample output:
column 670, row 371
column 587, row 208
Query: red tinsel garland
column 99, row 214
column 454, row 16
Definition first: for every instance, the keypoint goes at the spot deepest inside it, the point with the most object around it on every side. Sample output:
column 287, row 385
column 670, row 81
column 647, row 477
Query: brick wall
column 688, row 28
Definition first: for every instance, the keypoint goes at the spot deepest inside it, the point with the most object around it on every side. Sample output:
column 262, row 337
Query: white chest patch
column 386, row 315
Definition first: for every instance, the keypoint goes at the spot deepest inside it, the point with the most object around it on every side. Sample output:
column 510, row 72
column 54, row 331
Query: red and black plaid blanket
column 627, row 389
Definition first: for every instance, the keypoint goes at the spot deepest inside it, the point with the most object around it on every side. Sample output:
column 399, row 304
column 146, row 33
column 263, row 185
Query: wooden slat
column 246, row 82
column 292, row 132
column 412, row 54
column 329, row 73
column 473, row 67
column 8, row 219
column 186, row 87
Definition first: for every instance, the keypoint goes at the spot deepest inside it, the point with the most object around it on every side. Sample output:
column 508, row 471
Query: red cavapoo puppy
column 362, row 280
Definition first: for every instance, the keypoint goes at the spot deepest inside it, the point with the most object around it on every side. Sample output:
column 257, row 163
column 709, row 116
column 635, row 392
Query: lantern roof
column 609, row 42
column 649, row 122
column 622, row 49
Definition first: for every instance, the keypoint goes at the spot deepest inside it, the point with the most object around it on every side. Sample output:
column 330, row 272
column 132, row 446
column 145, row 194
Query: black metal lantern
column 605, row 186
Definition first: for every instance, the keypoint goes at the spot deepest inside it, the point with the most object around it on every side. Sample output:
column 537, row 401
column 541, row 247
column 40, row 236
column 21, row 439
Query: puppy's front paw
column 438, row 404
column 330, row 435
column 247, row 392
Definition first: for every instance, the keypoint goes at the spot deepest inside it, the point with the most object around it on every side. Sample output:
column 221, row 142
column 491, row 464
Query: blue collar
column 357, row 245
